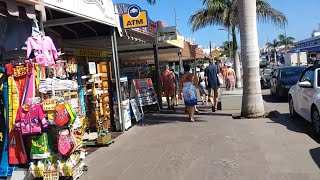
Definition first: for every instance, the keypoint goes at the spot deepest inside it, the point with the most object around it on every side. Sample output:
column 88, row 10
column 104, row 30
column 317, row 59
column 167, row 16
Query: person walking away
column 231, row 78
column 176, row 98
column 168, row 86
column 224, row 72
column 188, row 89
column 212, row 82
column 203, row 87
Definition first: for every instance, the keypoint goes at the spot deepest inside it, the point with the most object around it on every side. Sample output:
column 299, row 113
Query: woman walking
column 203, row 87
column 231, row 78
column 188, row 84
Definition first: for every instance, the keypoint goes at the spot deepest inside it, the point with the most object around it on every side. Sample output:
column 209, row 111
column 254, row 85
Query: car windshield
column 291, row 72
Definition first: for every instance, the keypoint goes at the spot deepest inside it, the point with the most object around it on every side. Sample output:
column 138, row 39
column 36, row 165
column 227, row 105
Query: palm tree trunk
column 236, row 59
column 275, row 57
column 252, row 102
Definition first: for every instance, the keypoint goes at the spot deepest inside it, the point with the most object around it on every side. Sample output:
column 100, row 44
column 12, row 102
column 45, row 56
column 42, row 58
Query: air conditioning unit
column 31, row 2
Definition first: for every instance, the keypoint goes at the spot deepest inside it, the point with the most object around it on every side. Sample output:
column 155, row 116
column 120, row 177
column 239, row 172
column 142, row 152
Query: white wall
column 291, row 59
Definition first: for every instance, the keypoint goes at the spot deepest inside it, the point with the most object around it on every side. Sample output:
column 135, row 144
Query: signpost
column 135, row 18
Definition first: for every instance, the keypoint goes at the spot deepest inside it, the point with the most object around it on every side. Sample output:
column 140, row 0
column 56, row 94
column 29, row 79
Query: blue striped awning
column 306, row 49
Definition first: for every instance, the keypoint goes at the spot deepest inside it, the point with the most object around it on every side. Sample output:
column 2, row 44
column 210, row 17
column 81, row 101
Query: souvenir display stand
column 43, row 122
column 97, row 93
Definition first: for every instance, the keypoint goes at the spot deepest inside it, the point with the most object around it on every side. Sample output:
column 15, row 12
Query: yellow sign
column 49, row 104
column 90, row 53
column 20, row 71
column 135, row 18
column 179, row 42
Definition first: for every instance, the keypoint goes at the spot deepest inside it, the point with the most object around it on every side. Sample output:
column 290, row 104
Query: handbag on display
column 62, row 116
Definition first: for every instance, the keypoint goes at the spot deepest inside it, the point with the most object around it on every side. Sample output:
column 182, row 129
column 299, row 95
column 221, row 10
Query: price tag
column 20, row 71
column 49, row 104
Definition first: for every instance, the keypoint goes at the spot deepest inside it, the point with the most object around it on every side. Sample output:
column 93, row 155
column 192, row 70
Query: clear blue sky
column 303, row 17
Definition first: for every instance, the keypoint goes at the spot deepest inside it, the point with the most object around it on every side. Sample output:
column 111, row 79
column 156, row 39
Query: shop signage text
column 87, row 52
column 49, row 104
column 134, row 18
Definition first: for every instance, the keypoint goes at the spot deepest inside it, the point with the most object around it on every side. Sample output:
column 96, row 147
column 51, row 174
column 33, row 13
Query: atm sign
column 135, row 18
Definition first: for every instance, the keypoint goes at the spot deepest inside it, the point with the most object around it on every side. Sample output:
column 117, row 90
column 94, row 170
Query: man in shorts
column 212, row 82
column 168, row 86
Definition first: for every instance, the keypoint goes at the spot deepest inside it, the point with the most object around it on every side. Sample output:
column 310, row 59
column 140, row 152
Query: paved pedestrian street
column 166, row 146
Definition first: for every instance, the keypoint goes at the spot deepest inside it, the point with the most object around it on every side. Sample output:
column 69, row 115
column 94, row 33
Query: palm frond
column 205, row 17
column 267, row 14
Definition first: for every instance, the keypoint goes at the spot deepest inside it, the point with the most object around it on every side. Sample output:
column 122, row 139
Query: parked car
column 283, row 78
column 265, row 78
column 263, row 62
column 304, row 97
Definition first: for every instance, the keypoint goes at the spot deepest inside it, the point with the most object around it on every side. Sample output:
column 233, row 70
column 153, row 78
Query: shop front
column 53, row 96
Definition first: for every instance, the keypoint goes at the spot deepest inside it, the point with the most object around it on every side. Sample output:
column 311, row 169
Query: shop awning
column 20, row 10
column 67, row 26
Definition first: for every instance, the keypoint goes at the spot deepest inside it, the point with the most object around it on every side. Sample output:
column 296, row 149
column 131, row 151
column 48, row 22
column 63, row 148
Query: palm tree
column 252, row 102
column 226, row 46
column 286, row 40
column 225, row 13
column 273, row 46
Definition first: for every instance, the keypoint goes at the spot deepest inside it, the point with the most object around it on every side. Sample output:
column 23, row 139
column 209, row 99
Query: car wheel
column 293, row 112
column 315, row 117
column 261, row 83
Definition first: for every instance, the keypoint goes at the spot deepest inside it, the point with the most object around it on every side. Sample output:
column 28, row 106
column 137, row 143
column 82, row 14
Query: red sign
column 145, row 91
column 151, row 30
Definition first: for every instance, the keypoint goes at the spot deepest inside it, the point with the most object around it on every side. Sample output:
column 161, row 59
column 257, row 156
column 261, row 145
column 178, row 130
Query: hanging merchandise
column 64, row 142
column 4, row 162
column 17, row 153
column 40, row 147
column 31, row 119
column 61, row 117
column 42, row 49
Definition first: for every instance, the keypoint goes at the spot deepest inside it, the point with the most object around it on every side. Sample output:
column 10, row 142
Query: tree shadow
column 274, row 99
column 298, row 125
column 157, row 119
column 315, row 154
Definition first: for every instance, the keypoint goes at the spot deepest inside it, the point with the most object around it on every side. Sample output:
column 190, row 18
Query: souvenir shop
column 49, row 100
column 43, row 108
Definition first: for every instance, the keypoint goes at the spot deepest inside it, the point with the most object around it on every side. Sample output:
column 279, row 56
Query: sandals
column 214, row 109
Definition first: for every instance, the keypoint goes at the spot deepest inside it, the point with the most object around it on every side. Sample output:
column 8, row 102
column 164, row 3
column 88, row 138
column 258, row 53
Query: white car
column 304, row 97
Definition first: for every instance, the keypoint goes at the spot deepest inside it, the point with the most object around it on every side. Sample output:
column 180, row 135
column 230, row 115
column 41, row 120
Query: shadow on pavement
column 315, row 154
column 157, row 119
column 298, row 125
column 273, row 99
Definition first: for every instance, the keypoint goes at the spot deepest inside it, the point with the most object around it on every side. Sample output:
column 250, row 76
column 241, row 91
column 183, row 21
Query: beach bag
column 61, row 117
column 64, row 142
column 17, row 153
column 190, row 94
column 40, row 147
column 220, row 79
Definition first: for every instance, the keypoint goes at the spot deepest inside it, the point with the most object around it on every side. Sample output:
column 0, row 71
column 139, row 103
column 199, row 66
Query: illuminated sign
column 135, row 18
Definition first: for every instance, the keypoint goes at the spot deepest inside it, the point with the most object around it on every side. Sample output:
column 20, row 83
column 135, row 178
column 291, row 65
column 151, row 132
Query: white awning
column 12, row 8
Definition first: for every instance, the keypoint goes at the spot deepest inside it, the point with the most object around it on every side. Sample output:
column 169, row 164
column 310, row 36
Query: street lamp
column 228, row 31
